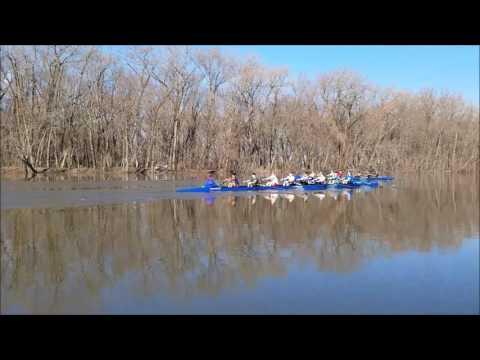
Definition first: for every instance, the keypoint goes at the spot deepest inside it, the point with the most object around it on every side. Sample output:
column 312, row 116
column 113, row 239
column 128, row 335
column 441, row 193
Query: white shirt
column 272, row 178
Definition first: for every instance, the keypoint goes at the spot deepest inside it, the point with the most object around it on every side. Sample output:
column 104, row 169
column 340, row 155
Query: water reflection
column 75, row 175
column 61, row 260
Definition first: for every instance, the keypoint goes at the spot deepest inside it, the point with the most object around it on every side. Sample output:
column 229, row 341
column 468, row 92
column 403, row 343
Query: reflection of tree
column 61, row 260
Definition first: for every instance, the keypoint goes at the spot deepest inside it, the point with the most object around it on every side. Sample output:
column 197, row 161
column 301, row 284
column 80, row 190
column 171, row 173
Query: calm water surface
column 134, row 247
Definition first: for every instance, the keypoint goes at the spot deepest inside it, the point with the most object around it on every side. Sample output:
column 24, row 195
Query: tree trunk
column 92, row 151
column 48, row 148
column 173, row 161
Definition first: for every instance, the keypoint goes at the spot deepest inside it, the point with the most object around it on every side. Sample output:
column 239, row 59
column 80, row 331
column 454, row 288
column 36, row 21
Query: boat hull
column 313, row 187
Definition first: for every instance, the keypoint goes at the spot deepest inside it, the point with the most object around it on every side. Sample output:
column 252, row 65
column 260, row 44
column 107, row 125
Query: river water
column 117, row 246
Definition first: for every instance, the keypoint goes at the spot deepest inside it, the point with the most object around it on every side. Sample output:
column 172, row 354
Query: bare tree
column 173, row 108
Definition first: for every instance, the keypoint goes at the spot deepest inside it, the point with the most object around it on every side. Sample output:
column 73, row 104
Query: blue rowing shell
column 313, row 187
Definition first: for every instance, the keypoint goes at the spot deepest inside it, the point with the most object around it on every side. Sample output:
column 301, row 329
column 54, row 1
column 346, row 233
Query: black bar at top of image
column 241, row 23
column 230, row 37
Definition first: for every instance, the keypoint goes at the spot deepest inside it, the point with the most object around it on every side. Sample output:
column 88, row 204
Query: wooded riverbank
column 176, row 108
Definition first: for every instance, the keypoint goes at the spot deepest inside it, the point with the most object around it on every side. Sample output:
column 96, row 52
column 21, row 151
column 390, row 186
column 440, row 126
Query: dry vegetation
column 177, row 108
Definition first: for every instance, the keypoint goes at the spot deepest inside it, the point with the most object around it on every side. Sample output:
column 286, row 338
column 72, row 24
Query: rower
column 306, row 177
column 232, row 181
column 210, row 182
column 289, row 180
column 272, row 180
column 332, row 177
column 320, row 178
column 311, row 177
column 235, row 179
column 348, row 178
column 253, row 181
column 372, row 172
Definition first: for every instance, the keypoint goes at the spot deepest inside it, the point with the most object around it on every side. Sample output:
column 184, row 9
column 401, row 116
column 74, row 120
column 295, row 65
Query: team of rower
column 307, row 178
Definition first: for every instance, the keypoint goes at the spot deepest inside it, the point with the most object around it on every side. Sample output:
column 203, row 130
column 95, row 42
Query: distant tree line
column 182, row 108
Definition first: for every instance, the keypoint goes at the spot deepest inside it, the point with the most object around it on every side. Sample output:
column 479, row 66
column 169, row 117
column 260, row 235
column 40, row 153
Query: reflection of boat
column 271, row 197
column 355, row 184
column 363, row 189
column 233, row 200
column 209, row 199
column 246, row 188
column 346, row 194
column 333, row 194
column 304, row 196
column 289, row 197
column 321, row 196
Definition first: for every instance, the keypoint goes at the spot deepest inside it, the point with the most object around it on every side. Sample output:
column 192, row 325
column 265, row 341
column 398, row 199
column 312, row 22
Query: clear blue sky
column 452, row 68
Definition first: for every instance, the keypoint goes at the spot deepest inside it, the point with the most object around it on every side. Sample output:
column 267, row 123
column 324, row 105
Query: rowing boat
column 311, row 187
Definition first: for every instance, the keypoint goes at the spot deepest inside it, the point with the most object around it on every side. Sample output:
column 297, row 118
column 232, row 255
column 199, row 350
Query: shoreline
column 18, row 173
